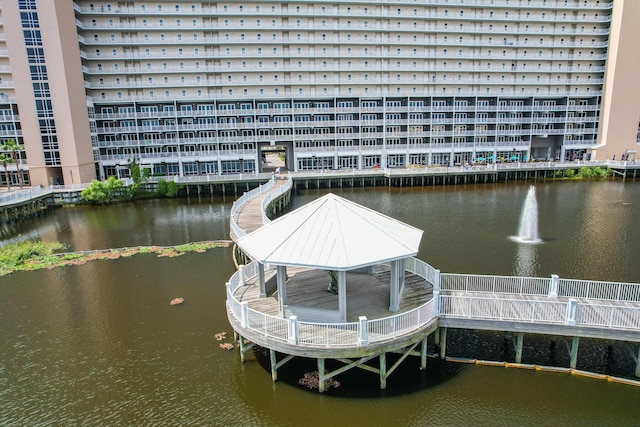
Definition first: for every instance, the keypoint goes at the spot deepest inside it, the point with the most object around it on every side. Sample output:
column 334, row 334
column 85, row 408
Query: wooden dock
column 430, row 303
column 368, row 295
column 249, row 215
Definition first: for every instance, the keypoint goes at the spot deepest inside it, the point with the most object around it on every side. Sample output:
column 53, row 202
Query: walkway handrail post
column 363, row 333
column 293, row 330
column 553, row 286
column 436, row 281
column 244, row 314
column 572, row 306
column 436, row 303
column 240, row 275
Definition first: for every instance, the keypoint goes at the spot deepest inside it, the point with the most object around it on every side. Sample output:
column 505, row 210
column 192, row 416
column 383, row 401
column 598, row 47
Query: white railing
column 485, row 304
column 401, row 324
column 10, row 198
column 610, row 291
column 553, row 286
column 551, row 311
column 493, row 308
column 326, row 334
column 273, row 195
column 608, row 316
column 422, row 269
column 495, row 284
column 244, row 199
column 269, row 326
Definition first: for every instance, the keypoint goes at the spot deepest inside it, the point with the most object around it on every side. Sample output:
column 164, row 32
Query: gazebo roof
column 332, row 233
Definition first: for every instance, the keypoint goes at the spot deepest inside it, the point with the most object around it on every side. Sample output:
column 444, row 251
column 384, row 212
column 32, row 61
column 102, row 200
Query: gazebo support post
column 282, row 288
column 263, row 290
column 342, row 295
column 400, row 278
column 394, row 291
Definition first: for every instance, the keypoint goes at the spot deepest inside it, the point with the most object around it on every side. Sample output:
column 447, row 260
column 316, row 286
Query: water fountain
column 528, row 230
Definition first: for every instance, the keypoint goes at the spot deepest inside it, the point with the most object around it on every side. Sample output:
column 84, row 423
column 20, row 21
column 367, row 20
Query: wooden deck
column 367, row 295
column 249, row 215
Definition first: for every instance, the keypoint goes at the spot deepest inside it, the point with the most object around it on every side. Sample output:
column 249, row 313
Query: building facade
column 195, row 88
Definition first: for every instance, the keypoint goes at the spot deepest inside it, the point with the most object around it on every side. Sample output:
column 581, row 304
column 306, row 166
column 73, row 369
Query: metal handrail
column 7, row 198
column 235, row 228
column 326, row 334
column 553, row 286
column 273, row 195
column 491, row 298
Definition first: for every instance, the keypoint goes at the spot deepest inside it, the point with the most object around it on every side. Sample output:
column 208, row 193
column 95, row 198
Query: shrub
column 101, row 192
column 167, row 188
column 593, row 172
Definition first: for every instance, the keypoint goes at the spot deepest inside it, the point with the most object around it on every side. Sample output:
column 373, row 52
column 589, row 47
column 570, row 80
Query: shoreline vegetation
column 36, row 255
column 113, row 190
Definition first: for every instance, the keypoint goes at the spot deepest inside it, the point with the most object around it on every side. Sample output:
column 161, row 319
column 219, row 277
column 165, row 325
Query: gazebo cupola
column 336, row 235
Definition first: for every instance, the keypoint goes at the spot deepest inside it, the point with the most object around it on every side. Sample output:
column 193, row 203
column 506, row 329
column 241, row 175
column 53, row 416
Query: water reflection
column 526, row 260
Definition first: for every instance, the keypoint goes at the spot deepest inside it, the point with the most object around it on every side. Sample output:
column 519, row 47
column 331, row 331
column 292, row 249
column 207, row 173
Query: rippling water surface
column 99, row 344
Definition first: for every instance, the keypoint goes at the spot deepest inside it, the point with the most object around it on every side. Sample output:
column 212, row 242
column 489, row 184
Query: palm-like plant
column 12, row 146
column 5, row 160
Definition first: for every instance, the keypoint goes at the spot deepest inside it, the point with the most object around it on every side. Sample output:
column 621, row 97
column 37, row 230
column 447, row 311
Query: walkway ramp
column 248, row 216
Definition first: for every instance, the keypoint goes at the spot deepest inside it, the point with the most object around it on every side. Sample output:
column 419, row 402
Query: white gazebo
column 337, row 235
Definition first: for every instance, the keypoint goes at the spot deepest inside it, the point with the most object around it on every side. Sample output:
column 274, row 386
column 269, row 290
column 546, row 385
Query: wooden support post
column 383, row 371
column 241, row 345
column 519, row 341
column 423, row 354
column 637, row 373
column 321, row 378
column 574, row 352
column 274, row 369
column 436, row 336
column 443, row 342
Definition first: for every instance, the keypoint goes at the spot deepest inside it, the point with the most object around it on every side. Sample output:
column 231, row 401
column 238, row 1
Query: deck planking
column 249, row 215
column 367, row 295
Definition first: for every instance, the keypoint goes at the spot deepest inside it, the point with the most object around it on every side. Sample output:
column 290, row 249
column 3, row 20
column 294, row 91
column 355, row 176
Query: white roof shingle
column 332, row 233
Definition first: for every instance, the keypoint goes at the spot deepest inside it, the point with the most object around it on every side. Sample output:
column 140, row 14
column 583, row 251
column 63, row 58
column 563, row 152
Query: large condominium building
column 200, row 87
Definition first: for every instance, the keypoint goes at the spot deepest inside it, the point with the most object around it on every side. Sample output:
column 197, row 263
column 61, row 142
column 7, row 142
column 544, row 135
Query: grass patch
column 35, row 255
column 18, row 255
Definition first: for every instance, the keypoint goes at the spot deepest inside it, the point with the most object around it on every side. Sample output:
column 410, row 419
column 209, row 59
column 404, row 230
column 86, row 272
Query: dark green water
column 99, row 344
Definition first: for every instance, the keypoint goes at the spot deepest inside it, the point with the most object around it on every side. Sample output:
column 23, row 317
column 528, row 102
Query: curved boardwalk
column 248, row 212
